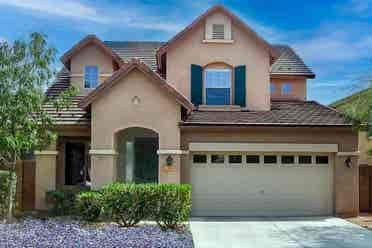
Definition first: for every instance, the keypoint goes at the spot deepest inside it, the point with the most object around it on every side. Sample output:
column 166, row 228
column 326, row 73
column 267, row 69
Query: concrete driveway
column 279, row 232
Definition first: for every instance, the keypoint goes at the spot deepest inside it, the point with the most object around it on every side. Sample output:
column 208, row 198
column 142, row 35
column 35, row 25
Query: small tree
column 25, row 126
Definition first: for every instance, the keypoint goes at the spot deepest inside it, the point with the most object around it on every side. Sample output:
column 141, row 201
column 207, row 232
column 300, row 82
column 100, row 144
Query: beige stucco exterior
column 245, row 50
column 94, row 56
column 298, row 88
column 365, row 144
column 45, row 175
column 135, row 101
column 346, row 179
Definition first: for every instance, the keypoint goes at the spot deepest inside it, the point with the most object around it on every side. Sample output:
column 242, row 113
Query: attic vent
column 218, row 31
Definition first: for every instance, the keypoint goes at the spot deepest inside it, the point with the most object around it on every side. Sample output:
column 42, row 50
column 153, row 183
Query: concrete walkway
column 277, row 233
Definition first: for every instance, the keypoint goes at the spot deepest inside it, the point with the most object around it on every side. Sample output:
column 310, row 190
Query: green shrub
column 128, row 204
column 168, row 204
column 63, row 202
column 173, row 205
column 4, row 177
column 89, row 205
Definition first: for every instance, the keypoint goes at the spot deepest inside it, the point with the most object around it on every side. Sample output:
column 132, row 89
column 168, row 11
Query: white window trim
column 205, row 88
column 98, row 76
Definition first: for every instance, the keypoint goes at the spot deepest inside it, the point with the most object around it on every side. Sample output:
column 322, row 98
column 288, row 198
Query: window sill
column 219, row 41
column 219, row 108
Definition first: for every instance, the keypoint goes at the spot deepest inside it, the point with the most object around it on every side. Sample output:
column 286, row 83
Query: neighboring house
column 365, row 146
column 217, row 107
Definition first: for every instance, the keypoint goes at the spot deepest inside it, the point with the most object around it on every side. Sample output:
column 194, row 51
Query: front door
column 146, row 160
column 365, row 189
column 75, row 163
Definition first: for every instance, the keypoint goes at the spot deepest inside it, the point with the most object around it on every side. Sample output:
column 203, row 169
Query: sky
column 334, row 37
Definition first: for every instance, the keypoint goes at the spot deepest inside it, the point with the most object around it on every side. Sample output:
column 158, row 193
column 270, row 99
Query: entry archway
column 137, row 160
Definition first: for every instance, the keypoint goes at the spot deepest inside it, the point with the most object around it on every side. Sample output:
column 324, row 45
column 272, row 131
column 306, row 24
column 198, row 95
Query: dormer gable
column 90, row 62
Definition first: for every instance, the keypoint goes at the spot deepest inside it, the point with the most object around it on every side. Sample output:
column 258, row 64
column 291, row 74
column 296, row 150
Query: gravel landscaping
column 58, row 232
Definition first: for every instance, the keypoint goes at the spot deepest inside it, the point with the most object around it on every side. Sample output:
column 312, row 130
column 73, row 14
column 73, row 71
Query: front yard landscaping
column 65, row 232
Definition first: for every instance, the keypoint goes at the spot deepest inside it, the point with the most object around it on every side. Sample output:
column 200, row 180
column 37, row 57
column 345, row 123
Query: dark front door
column 365, row 189
column 75, row 163
column 146, row 160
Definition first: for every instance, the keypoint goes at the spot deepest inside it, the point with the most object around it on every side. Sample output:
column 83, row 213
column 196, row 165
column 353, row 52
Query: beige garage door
column 240, row 184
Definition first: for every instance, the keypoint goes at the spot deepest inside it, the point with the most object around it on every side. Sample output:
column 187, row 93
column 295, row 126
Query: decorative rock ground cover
column 58, row 232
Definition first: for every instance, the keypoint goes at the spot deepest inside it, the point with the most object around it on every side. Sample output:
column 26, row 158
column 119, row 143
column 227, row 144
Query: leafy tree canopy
column 25, row 72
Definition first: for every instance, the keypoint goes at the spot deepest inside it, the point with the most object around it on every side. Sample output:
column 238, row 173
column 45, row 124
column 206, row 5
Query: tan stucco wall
column 365, row 143
column 45, row 175
column 90, row 55
column 298, row 88
column 345, row 179
column 245, row 50
column 115, row 111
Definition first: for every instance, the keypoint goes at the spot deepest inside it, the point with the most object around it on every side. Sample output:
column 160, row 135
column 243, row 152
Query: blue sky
column 333, row 37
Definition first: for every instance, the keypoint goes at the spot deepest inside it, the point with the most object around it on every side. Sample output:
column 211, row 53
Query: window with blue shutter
column 196, row 84
column 240, row 88
column 218, row 86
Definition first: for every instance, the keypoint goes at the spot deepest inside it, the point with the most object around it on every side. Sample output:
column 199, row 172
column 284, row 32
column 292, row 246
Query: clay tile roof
column 74, row 115
column 282, row 113
column 143, row 50
column 135, row 63
column 289, row 63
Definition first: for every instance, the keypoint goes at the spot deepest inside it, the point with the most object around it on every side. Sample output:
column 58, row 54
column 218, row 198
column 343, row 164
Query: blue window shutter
column 240, row 91
column 196, row 84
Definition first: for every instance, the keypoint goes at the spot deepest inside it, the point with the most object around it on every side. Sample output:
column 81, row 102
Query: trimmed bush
column 89, row 205
column 63, row 202
column 128, row 204
column 4, row 177
column 168, row 204
column 173, row 205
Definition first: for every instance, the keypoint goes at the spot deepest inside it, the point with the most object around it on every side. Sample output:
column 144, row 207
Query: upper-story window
column 286, row 88
column 218, row 31
column 90, row 76
column 218, row 84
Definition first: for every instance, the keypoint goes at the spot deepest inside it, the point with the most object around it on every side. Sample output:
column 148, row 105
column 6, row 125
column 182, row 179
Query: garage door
column 241, row 184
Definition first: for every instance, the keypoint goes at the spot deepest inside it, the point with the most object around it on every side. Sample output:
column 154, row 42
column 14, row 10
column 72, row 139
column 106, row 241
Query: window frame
column 288, row 155
column 321, row 164
column 270, row 164
column 235, row 155
column 200, row 163
column 218, row 163
column 306, row 164
column 84, row 74
column 221, row 67
column 253, row 155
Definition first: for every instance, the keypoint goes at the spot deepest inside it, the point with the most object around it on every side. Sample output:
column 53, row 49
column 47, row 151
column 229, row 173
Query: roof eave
column 89, row 39
column 124, row 70
column 273, row 52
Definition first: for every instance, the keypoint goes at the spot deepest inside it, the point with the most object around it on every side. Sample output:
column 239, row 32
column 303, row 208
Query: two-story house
column 217, row 107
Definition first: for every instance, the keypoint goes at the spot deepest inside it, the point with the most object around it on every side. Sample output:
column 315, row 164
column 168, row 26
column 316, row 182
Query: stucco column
column 170, row 173
column 45, row 175
column 346, row 181
column 103, row 167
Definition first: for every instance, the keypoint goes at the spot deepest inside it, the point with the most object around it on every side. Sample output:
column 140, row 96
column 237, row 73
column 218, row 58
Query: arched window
column 218, row 84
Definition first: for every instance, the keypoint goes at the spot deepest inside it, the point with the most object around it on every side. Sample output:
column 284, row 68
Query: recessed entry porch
column 138, row 160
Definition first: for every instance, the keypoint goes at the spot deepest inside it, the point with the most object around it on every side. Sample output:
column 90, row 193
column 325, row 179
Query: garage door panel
column 241, row 190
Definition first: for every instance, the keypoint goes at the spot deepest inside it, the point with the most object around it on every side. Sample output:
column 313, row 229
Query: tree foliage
column 25, row 125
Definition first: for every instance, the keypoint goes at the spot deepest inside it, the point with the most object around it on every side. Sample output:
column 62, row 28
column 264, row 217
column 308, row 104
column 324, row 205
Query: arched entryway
column 137, row 160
